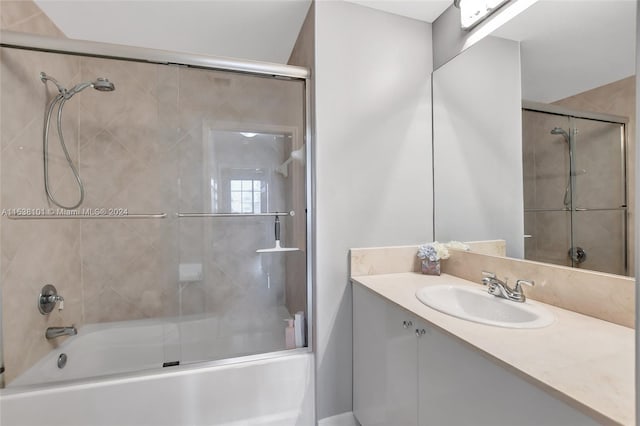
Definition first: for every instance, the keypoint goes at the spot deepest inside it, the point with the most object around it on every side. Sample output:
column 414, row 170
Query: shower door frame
column 25, row 41
column 602, row 117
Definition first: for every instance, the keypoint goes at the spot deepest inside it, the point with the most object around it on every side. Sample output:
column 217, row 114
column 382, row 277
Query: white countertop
column 586, row 362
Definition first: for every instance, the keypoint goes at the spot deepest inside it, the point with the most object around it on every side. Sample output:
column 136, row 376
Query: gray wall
column 448, row 38
column 373, row 163
column 478, row 146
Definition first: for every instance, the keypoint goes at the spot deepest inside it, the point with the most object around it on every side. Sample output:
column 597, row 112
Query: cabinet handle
column 407, row 324
column 420, row 333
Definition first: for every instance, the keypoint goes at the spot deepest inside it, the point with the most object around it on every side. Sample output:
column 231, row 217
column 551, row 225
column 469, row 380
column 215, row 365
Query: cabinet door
column 384, row 362
column 458, row 386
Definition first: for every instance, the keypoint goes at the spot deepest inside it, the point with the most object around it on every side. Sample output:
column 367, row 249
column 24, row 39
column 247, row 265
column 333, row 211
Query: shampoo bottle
column 299, row 328
column 290, row 335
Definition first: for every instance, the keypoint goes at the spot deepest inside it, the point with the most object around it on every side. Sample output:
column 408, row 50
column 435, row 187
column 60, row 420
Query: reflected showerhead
column 560, row 131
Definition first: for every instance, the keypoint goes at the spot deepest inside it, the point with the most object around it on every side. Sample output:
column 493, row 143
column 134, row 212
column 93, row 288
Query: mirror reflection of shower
column 100, row 84
column 574, row 187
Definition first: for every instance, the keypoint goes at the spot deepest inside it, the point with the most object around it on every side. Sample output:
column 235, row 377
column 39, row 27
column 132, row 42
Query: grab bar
column 290, row 213
column 87, row 216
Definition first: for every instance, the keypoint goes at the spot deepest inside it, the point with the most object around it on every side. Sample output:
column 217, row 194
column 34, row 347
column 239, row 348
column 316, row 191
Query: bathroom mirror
column 534, row 131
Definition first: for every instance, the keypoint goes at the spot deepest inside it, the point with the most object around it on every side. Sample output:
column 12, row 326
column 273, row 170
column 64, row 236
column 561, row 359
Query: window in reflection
column 245, row 196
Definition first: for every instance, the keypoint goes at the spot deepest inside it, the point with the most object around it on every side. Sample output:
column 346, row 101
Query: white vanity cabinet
column 407, row 375
column 385, row 362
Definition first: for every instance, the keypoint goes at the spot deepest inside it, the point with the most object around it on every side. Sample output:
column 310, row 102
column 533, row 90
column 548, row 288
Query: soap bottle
column 290, row 335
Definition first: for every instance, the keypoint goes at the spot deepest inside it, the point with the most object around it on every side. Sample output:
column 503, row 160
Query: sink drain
column 62, row 360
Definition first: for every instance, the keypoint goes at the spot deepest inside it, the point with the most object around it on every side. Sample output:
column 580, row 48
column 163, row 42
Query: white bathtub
column 271, row 389
column 129, row 346
column 276, row 391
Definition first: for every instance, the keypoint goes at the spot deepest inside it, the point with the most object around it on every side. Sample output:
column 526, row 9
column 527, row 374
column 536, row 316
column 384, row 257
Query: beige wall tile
column 25, row 16
column 12, row 12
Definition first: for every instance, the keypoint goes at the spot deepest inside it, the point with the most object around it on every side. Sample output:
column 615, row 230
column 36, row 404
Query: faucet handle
column 487, row 277
column 61, row 304
column 519, row 283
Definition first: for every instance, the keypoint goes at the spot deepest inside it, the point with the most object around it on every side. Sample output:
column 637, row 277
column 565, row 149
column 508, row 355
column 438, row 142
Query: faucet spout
column 53, row 332
column 501, row 289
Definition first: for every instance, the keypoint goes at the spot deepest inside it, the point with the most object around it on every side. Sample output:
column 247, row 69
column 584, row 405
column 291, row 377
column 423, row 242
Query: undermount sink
column 479, row 306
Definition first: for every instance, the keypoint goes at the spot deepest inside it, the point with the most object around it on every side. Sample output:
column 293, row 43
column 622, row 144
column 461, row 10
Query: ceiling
column 261, row 30
column 422, row 10
column 559, row 37
column 570, row 46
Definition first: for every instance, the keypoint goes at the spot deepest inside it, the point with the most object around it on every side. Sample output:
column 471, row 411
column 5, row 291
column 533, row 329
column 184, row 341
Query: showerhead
column 101, row 84
column 560, row 131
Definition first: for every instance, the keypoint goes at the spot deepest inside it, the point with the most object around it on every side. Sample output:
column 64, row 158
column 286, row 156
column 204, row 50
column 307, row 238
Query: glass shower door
column 241, row 168
column 600, row 205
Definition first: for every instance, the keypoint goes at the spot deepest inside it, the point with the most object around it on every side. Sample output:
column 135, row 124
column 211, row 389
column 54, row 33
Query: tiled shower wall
column 140, row 148
column 54, row 248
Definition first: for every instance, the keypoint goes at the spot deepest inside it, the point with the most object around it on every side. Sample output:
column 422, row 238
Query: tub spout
column 53, row 332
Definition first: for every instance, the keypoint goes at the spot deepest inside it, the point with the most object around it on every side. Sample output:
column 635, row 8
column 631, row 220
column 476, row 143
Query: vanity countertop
column 587, row 362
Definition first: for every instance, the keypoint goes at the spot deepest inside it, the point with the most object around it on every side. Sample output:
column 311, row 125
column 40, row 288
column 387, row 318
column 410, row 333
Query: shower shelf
column 86, row 216
column 290, row 213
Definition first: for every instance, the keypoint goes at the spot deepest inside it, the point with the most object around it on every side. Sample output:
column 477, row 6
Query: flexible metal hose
column 60, row 98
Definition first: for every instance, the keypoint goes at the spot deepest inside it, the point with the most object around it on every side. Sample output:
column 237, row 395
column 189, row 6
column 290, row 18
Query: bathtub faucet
column 53, row 332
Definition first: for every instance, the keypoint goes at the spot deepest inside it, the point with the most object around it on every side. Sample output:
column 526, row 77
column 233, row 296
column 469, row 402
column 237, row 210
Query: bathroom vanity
column 414, row 365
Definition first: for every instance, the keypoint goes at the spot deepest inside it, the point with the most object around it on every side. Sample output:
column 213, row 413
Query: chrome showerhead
column 560, row 131
column 101, row 84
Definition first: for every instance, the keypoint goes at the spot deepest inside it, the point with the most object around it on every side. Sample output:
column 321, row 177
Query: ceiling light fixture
column 472, row 12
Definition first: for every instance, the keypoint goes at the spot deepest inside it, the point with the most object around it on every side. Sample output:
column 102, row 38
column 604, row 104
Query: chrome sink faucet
column 501, row 289
column 53, row 332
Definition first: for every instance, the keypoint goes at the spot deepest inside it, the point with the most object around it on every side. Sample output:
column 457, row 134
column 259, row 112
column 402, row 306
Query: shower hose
column 60, row 100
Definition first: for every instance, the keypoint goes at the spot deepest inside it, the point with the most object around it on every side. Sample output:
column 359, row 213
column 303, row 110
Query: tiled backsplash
column 604, row 296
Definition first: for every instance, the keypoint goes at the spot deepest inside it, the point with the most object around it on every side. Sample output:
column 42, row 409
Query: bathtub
column 129, row 346
column 269, row 389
